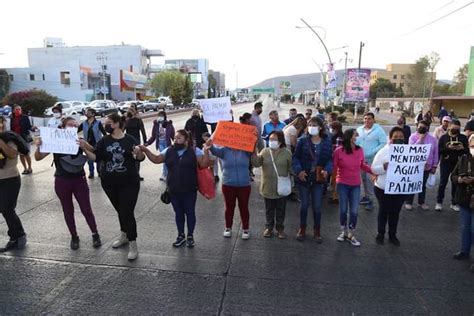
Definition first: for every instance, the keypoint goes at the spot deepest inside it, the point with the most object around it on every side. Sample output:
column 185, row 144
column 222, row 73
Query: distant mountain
column 301, row 82
column 444, row 81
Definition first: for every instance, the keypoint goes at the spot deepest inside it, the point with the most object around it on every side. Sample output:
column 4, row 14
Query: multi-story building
column 219, row 77
column 400, row 76
column 85, row 72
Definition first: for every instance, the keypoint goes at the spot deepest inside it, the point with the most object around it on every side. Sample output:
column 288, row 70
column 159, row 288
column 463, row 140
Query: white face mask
column 330, row 131
column 472, row 151
column 57, row 115
column 313, row 130
column 161, row 118
column 273, row 144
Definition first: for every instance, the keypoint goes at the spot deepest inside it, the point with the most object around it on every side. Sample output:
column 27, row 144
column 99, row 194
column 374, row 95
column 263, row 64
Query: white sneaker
column 245, row 235
column 455, row 208
column 133, row 250
column 408, row 207
column 121, row 241
column 228, row 233
column 438, row 207
column 354, row 241
column 342, row 236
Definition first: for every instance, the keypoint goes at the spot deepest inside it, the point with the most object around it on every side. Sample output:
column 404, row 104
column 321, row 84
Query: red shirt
column 16, row 127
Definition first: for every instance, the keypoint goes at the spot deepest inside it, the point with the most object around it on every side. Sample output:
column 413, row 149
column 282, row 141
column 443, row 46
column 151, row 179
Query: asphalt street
column 227, row 276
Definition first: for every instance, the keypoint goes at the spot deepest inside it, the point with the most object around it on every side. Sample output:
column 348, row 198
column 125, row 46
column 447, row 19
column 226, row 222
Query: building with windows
column 85, row 73
column 400, row 76
column 219, row 77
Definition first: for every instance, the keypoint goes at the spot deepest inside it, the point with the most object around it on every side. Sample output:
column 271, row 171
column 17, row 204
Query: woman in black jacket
column 196, row 126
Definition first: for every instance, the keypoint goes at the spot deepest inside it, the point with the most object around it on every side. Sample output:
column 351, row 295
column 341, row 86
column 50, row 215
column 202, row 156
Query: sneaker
column 342, row 236
column 438, row 207
column 461, row 256
column 281, row 234
column 190, row 241
column 18, row 243
column 228, row 233
column 74, row 242
column 408, row 207
column 394, row 241
column 123, row 240
column 365, row 200
column 133, row 251
column 379, row 239
column 425, row 207
column 455, row 207
column 245, row 235
column 180, row 240
column 354, row 241
column 96, row 242
column 267, row 233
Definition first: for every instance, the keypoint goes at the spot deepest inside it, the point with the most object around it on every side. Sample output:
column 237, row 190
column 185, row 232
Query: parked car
column 69, row 107
column 154, row 106
column 125, row 105
column 104, row 107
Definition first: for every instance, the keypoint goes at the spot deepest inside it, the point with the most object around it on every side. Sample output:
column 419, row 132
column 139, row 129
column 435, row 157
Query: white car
column 69, row 107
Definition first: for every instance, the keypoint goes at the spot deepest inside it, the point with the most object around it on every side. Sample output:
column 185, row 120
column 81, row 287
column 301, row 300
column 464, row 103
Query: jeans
column 275, row 209
column 161, row 146
column 9, row 190
column 123, row 196
column 467, row 229
column 368, row 186
column 445, row 171
column 67, row 187
column 315, row 193
column 349, row 196
column 184, row 205
column 421, row 196
column 241, row 194
column 389, row 210
column 91, row 167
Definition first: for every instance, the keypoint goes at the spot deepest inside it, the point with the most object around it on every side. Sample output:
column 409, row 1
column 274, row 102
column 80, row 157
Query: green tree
column 382, row 88
column 164, row 82
column 32, row 101
column 188, row 90
column 176, row 95
column 4, row 83
column 459, row 80
column 433, row 60
column 442, row 89
column 418, row 81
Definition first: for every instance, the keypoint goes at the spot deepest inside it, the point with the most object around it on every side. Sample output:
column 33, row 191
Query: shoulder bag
column 283, row 183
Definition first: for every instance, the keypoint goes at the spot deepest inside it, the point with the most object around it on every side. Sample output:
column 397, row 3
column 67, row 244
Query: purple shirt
column 433, row 157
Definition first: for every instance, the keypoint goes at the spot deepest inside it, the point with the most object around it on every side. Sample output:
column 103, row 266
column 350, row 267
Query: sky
column 249, row 41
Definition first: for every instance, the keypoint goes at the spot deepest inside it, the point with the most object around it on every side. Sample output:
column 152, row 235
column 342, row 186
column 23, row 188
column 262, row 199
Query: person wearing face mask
column 182, row 160
column 10, row 183
column 56, row 120
column 348, row 163
column 134, row 126
column 402, row 123
column 463, row 175
column 70, row 179
column 451, row 146
column 422, row 136
column 371, row 138
column 117, row 154
column 93, row 131
column 275, row 158
column 196, row 126
column 20, row 124
column 162, row 134
column 312, row 162
column 389, row 204
column 443, row 128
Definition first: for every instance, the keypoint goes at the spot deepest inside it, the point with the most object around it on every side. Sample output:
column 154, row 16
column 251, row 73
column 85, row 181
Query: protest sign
column 216, row 109
column 59, row 140
column 405, row 168
column 234, row 135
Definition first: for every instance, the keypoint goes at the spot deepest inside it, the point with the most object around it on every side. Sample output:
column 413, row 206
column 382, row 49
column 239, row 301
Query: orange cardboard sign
column 236, row 136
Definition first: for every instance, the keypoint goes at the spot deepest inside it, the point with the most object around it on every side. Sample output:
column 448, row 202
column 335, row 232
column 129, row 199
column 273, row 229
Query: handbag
column 283, row 183
column 165, row 197
column 431, row 182
column 206, row 184
column 319, row 169
column 73, row 165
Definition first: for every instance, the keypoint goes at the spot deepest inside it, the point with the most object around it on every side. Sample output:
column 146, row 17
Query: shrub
column 33, row 102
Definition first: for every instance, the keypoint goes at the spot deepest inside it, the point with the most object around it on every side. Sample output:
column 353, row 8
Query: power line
column 439, row 19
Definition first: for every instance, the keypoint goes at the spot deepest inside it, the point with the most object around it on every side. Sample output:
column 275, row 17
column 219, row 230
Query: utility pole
column 102, row 60
column 345, row 75
column 360, row 52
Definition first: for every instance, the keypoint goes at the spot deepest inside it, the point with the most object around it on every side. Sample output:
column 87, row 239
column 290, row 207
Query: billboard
column 196, row 77
column 285, row 84
column 357, row 85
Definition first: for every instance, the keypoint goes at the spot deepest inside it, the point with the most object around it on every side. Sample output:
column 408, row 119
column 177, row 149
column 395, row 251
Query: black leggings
column 123, row 196
column 9, row 190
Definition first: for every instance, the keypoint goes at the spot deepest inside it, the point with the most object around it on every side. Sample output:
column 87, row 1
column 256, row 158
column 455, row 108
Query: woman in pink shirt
column 348, row 162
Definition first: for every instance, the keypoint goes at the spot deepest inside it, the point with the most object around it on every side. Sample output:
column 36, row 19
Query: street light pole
column 360, row 52
column 319, row 37
column 345, row 75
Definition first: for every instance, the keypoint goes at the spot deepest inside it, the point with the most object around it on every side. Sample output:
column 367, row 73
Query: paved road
column 227, row 276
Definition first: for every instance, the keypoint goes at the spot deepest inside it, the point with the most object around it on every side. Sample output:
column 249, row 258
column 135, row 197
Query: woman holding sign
column 275, row 161
column 312, row 162
column 69, row 180
column 389, row 204
column 118, row 153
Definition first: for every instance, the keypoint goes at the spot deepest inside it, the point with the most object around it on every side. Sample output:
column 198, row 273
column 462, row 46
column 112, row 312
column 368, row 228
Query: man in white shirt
column 56, row 120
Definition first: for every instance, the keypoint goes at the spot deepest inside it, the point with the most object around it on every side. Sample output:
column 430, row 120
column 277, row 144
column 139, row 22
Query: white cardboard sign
column 216, row 109
column 59, row 140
